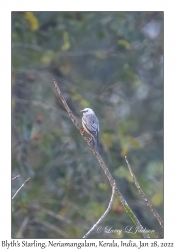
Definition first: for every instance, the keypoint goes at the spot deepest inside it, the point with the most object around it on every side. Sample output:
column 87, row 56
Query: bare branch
column 148, row 203
column 105, row 213
column 15, row 177
column 20, row 188
column 103, row 165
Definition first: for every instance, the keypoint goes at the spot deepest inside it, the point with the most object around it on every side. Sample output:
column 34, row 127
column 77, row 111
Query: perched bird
column 90, row 124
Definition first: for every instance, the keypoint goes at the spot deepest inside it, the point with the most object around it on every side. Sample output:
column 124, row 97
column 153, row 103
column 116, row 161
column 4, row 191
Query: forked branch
column 104, row 167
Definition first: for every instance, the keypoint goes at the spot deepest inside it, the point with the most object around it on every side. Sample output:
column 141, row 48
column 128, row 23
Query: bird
column 90, row 124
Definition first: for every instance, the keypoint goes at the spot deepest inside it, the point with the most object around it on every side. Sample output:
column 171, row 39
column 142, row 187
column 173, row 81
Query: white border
column 5, row 93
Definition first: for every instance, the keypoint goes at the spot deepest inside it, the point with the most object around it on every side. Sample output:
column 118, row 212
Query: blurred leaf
column 65, row 69
column 63, row 211
column 66, row 45
column 106, row 139
column 32, row 20
column 77, row 97
column 133, row 141
column 157, row 199
column 155, row 167
column 124, row 43
column 97, row 209
column 122, row 172
column 125, row 150
column 103, row 186
column 100, row 55
column 47, row 57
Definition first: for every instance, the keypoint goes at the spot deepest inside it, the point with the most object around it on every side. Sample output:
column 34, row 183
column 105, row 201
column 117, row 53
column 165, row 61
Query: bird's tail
column 95, row 142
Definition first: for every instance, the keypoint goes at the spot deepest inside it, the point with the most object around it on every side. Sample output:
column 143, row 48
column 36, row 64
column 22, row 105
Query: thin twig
column 40, row 104
column 103, row 165
column 68, row 109
column 15, row 177
column 51, row 213
column 22, row 227
column 148, row 203
column 52, row 227
column 20, row 188
column 105, row 213
column 57, row 216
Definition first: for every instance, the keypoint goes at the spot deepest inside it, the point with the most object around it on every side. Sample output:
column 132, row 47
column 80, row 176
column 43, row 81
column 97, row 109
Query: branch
column 15, row 177
column 104, row 215
column 148, row 203
column 20, row 188
column 103, row 165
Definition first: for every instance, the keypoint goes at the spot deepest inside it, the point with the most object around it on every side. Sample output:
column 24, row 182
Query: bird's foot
column 82, row 131
column 90, row 140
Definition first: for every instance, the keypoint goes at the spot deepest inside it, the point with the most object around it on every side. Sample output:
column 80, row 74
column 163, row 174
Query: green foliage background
column 111, row 62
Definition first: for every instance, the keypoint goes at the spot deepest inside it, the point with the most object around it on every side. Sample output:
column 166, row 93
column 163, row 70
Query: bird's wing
column 91, row 123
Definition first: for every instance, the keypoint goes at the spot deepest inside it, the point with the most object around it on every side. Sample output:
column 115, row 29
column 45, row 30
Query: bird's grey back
column 91, row 123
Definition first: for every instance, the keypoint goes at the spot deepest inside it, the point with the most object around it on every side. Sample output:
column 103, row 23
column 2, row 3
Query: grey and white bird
column 90, row 124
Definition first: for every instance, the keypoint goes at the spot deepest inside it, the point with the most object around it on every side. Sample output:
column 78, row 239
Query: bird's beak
column 81, row 110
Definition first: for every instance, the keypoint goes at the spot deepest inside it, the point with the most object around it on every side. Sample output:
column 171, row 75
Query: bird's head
column 87, row 111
